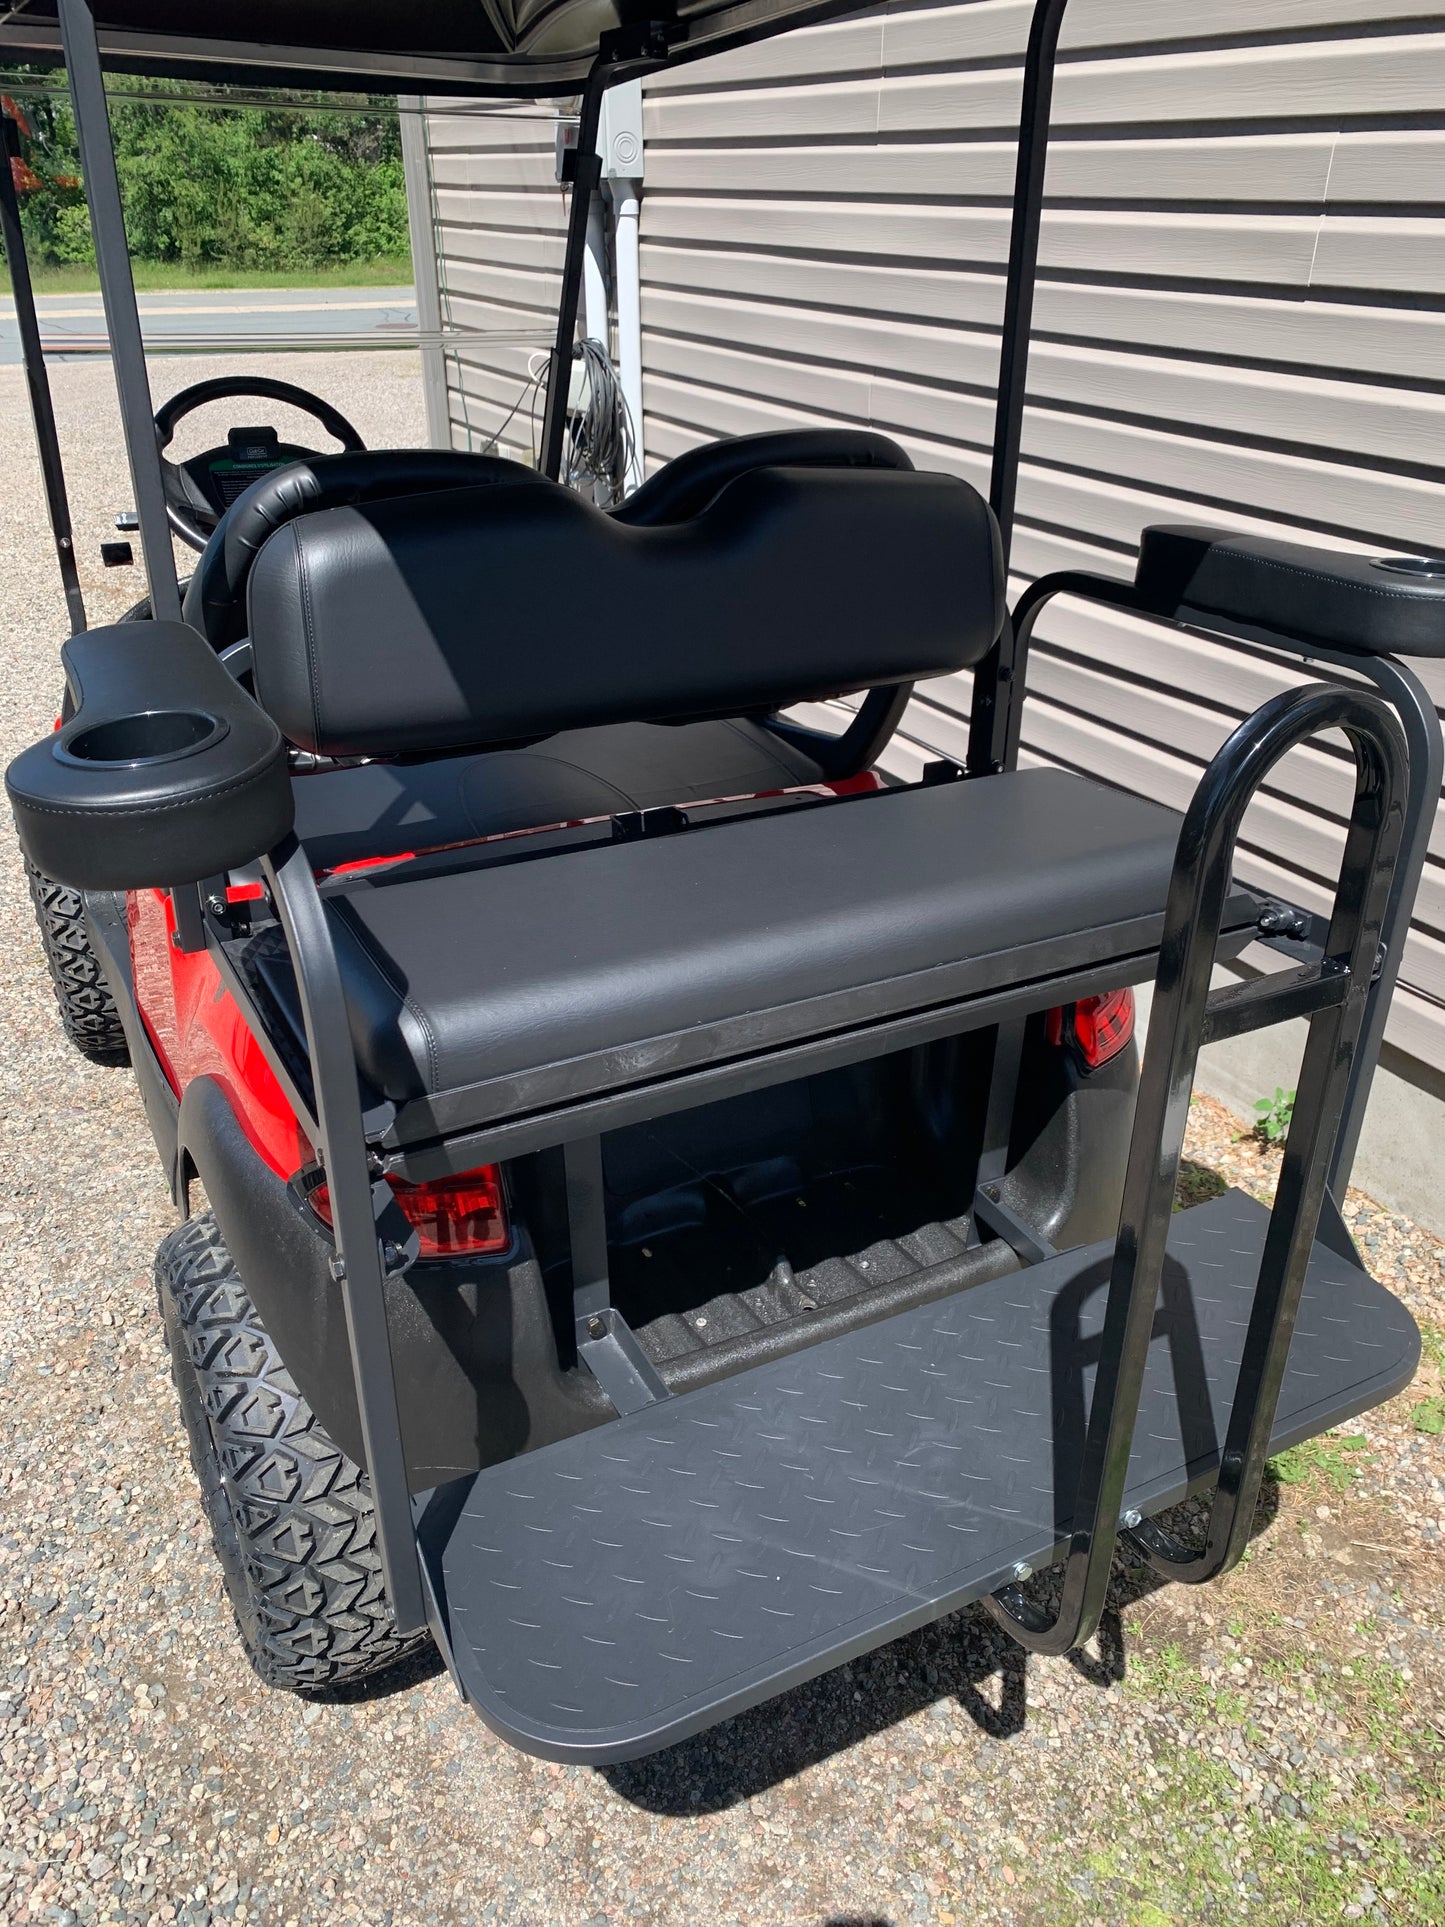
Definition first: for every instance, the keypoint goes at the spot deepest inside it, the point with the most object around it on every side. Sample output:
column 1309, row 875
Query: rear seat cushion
column 633, row 960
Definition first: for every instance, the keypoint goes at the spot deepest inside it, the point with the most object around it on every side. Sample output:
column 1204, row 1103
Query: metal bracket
column 990, row 1210
column 608, row 1347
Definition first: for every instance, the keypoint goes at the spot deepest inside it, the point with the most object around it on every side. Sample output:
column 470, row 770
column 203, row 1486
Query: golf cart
column 684, row 1210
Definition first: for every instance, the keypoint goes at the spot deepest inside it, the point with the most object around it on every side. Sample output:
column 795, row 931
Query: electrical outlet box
column 619, row 133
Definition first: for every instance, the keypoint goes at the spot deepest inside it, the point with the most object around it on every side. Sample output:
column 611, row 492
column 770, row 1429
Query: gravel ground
column 1267, row 1750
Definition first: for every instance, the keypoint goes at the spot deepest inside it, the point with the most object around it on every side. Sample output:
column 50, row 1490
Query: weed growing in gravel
column 1336, row 1457
column 1201, row 1839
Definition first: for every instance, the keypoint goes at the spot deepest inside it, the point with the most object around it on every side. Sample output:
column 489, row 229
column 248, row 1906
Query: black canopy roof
column 510, row 48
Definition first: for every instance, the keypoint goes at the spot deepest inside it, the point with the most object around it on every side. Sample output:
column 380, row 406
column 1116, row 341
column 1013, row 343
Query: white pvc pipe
column 594, row 277
column 625, row 213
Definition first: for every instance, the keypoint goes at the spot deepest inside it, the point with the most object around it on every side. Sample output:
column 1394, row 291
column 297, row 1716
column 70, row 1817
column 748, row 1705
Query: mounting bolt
column 336, row 1265
column 1021, row 1571
column 216, row 905
column 596, row 1328
column 992, row 1193
column 1133, row 1517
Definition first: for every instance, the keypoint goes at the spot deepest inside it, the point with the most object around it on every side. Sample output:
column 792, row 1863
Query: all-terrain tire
column 87, row 1007
column 290, row 1514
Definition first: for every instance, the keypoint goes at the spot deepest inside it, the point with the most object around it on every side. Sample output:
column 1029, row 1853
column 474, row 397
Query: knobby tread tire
column 87, row 1006
column 290, row 1514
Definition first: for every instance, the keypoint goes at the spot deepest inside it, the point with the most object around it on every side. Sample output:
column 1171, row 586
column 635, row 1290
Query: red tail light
column 458, row 1217
column 1097, row 1027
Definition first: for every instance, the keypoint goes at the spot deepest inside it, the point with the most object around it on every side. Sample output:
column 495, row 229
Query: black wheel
column 87, row 1008
column 290, row 1514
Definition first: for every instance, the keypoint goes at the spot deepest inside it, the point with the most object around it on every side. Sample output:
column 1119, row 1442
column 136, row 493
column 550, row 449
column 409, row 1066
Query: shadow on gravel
column 965, row 1657
column 415, row 1670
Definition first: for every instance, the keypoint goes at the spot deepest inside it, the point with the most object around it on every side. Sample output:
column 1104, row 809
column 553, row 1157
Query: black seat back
column 489, row 616
column 215, row 601
column 684, row 486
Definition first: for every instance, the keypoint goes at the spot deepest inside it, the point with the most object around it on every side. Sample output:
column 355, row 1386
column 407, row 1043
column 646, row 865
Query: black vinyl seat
column 348, row 814
column 384, row 809
column 581, row 972
column 522, row 659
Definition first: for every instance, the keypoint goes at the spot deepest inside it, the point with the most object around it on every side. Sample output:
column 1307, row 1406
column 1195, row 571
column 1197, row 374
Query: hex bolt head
column 596, row 1328
column 1128, row 1520
column 1023, row 1570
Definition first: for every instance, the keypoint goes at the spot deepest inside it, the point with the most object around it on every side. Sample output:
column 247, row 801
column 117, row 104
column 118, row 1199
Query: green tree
column 229, row 186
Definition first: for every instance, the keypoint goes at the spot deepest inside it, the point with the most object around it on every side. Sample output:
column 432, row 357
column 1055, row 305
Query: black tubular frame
column 1333, row 993
column 367, row 1224
column 122, row 314
column 1400, row 687
column 37, row 381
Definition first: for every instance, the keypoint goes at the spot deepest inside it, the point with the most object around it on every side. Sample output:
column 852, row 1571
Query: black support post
column 584, row 186
column 997, row 691
column 361, row 1203
column 37, row 382
column 117, row 287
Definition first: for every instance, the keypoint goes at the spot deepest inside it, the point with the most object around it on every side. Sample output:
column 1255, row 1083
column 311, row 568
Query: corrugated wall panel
column 1241, row 317
column 499, row 216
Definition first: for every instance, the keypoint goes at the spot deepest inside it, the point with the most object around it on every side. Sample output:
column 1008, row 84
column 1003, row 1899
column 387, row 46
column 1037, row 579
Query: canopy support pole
column 996, row 694
column 584, row 187
column 37, row 381
column 122, row 316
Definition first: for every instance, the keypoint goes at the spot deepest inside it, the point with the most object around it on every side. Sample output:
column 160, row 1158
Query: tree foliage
column 234, row 186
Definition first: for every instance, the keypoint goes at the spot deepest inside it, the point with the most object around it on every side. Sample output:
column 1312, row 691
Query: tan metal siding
column 1241, row 318
column 498, row 215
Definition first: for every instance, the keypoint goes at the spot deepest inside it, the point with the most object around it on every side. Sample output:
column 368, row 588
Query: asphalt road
column 221, row 318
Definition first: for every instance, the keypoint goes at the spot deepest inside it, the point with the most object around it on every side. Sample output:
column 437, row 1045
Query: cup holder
column 1419, row 568
column 135, row 742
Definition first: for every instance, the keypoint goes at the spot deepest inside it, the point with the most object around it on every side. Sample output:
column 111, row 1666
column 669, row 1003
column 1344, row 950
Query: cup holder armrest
column 167, row 772
column 1390, row 605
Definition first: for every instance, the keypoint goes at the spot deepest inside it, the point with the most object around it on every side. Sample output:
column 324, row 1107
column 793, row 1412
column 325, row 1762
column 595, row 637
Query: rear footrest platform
column 619, row 1591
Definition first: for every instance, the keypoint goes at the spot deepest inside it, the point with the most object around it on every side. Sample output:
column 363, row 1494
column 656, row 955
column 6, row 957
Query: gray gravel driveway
column 1268, row 1750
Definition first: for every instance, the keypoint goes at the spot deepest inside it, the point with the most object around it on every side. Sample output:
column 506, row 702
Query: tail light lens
column 1097, row 1027
column 459, row 1217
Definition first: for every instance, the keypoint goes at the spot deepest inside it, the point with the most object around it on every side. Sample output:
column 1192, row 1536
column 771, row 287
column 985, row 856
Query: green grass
column 1162, row 1862
column 163, row 277
column 1334, row 1458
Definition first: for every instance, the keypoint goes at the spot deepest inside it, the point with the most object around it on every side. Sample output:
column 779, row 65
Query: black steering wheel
column 199, row 492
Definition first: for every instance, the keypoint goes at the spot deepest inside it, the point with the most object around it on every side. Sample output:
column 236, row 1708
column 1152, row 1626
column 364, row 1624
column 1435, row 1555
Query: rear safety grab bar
column 1333, row 994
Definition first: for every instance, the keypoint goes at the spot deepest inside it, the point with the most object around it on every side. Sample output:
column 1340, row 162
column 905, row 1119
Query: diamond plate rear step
column 619, row 1591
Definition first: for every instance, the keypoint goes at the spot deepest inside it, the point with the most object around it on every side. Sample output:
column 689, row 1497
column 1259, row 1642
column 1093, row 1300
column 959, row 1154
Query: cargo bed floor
column 619, row 1591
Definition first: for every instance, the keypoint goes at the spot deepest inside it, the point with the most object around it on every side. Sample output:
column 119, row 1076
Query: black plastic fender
column 473, row 1350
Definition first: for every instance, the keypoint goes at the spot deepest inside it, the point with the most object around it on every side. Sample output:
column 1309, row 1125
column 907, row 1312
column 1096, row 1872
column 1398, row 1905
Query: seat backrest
column 684, row 486
column 215, row 601
column 487, row 616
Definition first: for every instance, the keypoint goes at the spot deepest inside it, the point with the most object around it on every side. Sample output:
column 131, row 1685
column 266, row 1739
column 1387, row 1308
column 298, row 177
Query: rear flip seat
column 544, row 981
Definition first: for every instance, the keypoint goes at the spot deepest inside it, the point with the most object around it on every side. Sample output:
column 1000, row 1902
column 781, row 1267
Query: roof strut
column 47, row 441
column 117, row 287
column 996, row 694
column 584, row 186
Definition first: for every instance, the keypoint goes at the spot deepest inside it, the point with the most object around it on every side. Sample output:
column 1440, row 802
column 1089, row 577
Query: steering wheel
column 199, row 492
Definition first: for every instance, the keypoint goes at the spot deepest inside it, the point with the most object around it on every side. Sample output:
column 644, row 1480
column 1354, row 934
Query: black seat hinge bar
column 1197, row 894
column 606, row 1343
